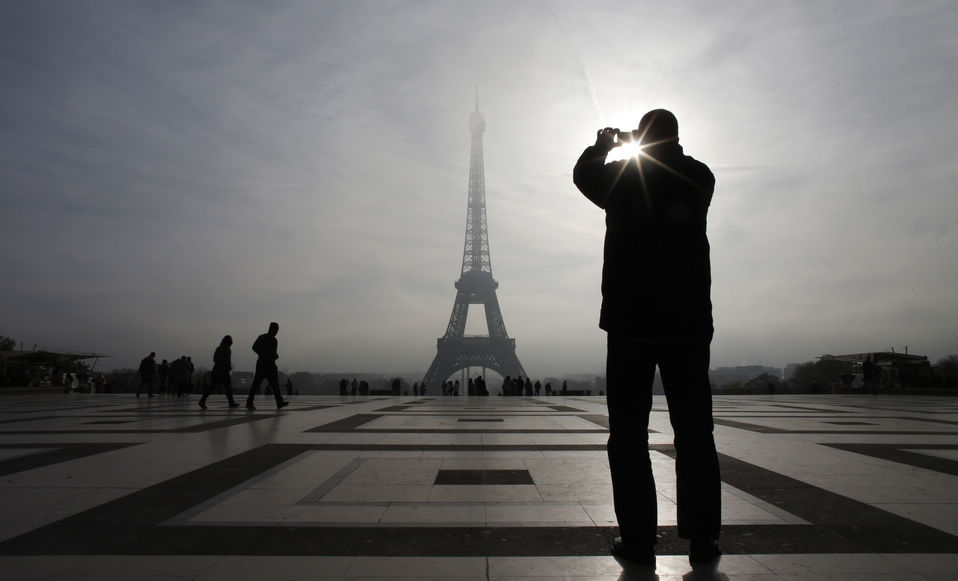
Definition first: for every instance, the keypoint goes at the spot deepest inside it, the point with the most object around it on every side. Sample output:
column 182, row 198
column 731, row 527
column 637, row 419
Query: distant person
column 222, row 365
column 537, row 387
column 548, row 388
column 163, row 374
column 179, row 376
column 147, row 373
column 657, row 311
column 528, row 387
column 354, row 387
column 289, row 386
column 190, row 368
column 344, row 386
column 266, row 348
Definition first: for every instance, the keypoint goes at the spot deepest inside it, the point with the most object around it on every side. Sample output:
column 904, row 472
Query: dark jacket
column 147, row 367
column 656, row 278
column 266, row 347
column 222, row 359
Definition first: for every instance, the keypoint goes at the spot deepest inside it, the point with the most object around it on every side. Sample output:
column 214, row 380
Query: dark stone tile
column 483, row 477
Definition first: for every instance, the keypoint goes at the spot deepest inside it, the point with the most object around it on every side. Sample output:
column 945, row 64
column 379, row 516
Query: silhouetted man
column 147, row 373
column 222, row 364
column 657, row 311
column 266, row 347
column 163, row 372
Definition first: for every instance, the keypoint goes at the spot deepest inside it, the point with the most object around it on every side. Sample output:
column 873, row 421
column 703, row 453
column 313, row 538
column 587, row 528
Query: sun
column 624, row 151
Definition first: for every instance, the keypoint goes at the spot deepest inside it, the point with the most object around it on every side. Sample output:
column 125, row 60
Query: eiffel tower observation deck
column 455, row 350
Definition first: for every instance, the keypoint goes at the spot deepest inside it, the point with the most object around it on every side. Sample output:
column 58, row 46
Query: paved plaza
column 468, row 488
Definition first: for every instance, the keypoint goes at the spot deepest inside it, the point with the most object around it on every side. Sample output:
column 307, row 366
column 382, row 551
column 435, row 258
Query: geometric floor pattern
column 387, row 488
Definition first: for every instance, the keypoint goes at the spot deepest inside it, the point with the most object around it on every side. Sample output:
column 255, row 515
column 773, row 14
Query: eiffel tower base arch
column 453, row 355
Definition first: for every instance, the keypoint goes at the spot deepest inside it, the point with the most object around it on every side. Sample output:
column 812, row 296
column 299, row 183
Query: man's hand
column 606, row 138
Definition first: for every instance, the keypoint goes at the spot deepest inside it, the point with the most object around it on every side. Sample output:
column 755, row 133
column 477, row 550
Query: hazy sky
column 173, row 172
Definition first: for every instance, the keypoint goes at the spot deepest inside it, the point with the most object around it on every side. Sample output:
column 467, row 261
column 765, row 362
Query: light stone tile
column 416, row 454
column 550, row 513
column 265, row 497
column 460, row 514
column 926, row 563
column 578, row 491
column 444, row 454
column 507, row 493
column 378, row 493
column 511, row 454
column 552, row 567
column 482, row 463
column 396, row 471
column 335, row 513
column 831, row 564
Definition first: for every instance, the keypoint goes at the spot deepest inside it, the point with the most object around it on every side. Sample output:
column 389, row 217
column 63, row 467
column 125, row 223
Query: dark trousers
column 216, row 378
column 684, row 369
column 270, row 373
column 146, row 380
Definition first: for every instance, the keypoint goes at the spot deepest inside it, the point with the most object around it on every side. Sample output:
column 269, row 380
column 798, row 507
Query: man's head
column 273, row 328
column 658, row 126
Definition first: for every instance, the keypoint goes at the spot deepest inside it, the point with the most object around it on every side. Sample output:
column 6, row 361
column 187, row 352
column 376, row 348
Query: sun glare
column 624, row 151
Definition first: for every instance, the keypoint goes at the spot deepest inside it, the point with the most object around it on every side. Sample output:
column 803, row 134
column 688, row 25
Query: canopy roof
column 43, row 357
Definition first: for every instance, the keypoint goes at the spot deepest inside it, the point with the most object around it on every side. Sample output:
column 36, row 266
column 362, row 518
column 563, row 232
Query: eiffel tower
column 456, row 351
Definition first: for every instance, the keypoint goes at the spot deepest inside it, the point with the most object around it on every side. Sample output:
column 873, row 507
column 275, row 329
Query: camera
column 627, row 136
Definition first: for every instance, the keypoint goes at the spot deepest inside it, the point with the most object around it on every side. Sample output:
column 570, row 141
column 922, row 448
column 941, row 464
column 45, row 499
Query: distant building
column 741, row 373
column 899, row 369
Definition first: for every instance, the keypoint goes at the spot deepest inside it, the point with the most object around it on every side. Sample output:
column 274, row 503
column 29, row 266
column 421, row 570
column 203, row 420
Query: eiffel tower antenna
column 455, row 351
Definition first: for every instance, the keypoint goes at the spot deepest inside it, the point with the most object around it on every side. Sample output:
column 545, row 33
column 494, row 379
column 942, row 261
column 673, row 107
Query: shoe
column 233, row 404
column 250, row 406
column 704, row 551
column 202, row 404
column 640, row 555
column 282, row 404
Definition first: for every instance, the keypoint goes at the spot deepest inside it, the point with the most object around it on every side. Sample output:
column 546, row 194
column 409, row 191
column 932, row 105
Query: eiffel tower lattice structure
column 455, row 350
